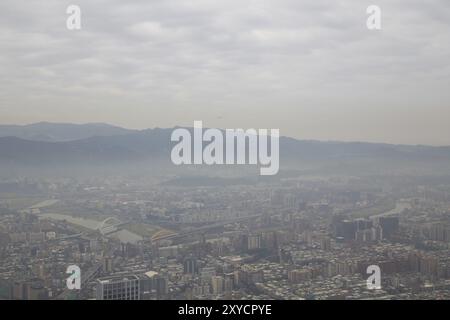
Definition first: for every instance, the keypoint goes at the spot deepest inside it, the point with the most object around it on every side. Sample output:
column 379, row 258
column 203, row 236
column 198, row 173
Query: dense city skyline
column 226, row 155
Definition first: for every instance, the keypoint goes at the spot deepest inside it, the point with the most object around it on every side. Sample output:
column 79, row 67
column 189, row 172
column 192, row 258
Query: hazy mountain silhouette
column 55, row 132
column 130, row 147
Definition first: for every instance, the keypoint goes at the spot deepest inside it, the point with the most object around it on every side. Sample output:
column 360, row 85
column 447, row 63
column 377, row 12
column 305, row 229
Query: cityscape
column 224, row 157
column 306, row 237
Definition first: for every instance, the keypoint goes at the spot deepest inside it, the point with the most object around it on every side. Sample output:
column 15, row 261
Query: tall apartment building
column 118, row 288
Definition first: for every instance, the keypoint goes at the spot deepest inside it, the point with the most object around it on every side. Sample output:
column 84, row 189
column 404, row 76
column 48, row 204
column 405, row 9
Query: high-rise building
column 190, row 265
column 118, row 288
column 32, row 289
column 107, row 264
column 325, row 243
column 390, row 225
column 253, row 242
column 363, row 224
column 228, row 282
column 217, row 284
column 346, row 229
column 154, row 284
column 377, row 233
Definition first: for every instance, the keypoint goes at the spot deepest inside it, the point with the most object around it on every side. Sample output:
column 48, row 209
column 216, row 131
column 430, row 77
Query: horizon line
column 205, row 128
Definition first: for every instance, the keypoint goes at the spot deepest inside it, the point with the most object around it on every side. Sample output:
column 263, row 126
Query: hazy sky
column 310, row 68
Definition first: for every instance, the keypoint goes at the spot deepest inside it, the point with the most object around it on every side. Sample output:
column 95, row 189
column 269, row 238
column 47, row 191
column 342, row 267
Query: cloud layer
column 310, row 68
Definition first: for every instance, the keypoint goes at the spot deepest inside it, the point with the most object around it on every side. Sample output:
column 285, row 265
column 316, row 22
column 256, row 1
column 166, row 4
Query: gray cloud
column 311, row 68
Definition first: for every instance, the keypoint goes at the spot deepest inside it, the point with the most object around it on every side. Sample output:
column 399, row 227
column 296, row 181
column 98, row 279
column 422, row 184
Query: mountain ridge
column 57, row 132
column 139, row 145
column 13, row 130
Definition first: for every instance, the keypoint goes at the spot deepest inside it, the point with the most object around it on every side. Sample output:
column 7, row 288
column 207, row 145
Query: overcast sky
column 310, row 68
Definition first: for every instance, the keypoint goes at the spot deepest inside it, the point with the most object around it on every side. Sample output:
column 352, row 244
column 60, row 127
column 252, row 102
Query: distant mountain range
column 57, row 132
column 65, row 144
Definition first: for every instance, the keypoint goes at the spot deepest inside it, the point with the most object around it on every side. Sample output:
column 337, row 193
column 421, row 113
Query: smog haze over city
column 224, row 150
